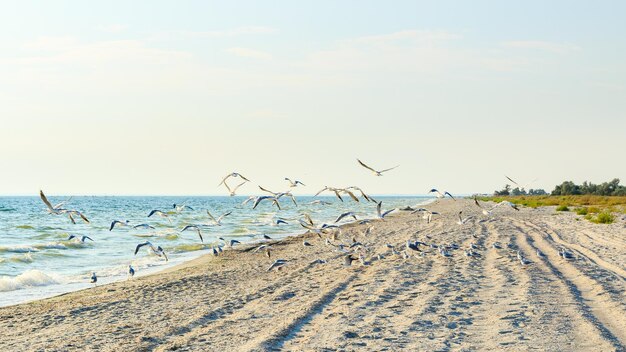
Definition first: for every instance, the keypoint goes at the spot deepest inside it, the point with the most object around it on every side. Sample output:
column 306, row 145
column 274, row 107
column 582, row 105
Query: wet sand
column 489, row 301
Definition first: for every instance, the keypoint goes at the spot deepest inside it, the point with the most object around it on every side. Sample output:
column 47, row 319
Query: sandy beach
column 489, row 301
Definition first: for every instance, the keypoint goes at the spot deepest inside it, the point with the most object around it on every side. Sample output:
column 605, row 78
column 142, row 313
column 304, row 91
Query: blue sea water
column 37, row 260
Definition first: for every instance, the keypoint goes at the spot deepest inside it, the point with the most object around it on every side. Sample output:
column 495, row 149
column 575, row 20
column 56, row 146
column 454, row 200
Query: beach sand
column 423, row 303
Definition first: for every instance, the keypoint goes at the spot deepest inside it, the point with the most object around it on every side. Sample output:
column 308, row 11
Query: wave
column 7, row 209
column 30, row 278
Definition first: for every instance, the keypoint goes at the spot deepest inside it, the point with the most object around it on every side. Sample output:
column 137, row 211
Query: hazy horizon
column 151, row 98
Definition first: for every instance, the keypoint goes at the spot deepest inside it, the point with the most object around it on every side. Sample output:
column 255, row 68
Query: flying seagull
column 232, row 191
column 376, row 172
column 161, row 214
column 439, row 195
column 143, row 226
column 462, row 220
column 181, row 207
column 428, row 215
column 57, row 210
column 380, row 213
column 156, row 250
column 82, row 239
column 193, row 227
column 218, row 221
column 277, row 264
column 294, row 183
column 234, row 174
column 346, row 214
column 119, row 223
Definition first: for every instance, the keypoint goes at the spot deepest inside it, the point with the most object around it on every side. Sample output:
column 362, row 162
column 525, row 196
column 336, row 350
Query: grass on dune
column 597, row 209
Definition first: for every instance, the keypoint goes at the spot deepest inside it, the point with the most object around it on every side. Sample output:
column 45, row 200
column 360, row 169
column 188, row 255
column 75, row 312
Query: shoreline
column 232, row 302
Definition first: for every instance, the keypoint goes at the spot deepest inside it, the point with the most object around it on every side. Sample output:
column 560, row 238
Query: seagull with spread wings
column 440, row 195
column 218, row 221
column 376, row 172
column 57, row 209
column 156, row 250
column 233, row 174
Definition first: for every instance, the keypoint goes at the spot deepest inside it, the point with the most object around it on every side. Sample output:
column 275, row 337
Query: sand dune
column 426, row 302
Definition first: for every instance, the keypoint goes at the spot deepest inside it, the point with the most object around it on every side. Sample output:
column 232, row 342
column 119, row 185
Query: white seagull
column 193, row 227
column 218, row 221
column 57, row 210
column 234, row 174
column 233, row 191
column 379, row 211
column 161, row 214
column 81, row 239
column 376, row 172
column 118, row 223
column 439, row 195
column 294, row 183
column 156, row 250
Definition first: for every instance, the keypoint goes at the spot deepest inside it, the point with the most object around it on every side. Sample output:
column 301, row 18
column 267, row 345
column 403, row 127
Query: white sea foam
column 30, row 278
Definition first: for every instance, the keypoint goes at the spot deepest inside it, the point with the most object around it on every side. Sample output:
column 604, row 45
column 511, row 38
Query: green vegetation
column 582, row 211
column 603, row 218
column 562, row 207
column 611, row 188
column 597, row 209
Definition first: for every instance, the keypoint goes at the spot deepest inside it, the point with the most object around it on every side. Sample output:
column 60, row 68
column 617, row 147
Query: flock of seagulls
column 353, row 251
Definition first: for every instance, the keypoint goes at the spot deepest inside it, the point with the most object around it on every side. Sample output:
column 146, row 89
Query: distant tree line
column 508, row 191
column 612, row 188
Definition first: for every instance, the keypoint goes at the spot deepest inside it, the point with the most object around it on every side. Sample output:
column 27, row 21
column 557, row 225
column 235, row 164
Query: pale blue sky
column 156, row 97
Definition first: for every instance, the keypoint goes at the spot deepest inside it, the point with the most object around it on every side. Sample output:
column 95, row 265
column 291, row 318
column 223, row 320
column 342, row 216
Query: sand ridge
column 425, row 302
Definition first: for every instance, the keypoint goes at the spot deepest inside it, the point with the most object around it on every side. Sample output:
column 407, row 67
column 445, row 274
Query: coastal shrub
column 562, row 207
column 581, row 211
column 604, row 218
column 593, row 210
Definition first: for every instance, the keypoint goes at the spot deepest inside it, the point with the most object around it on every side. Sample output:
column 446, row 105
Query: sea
column 37, row 260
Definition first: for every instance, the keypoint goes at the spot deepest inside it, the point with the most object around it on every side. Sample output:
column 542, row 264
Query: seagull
column 230, row 242
column 411, row 245
column 82, row 239
column 462, row 220
column 518, row 185
column 215, row 252
column 294, row 183
column 381, row 215
column 365, row 196
column 306, row 244
column 347, row 214
column 194, row 227
column 428, row 215
column 277, row 264
column 181, row 207
column 266, row 237
column 117, row 222
column 143, row 226
column 348, row 259
column 156, row 250
column 337, row 192
column 377, row 173
column 218, row 221
column 131, row 271
column 94, row 278
column 279, row 195
column 262, row 198
column 232, row 191
column 439, row 195
column 161, row 214
column 280, row 221
column 56, row 209
column 507, row 203
column 234, row 174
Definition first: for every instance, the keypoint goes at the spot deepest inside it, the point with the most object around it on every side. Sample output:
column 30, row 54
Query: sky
column 165, row 98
